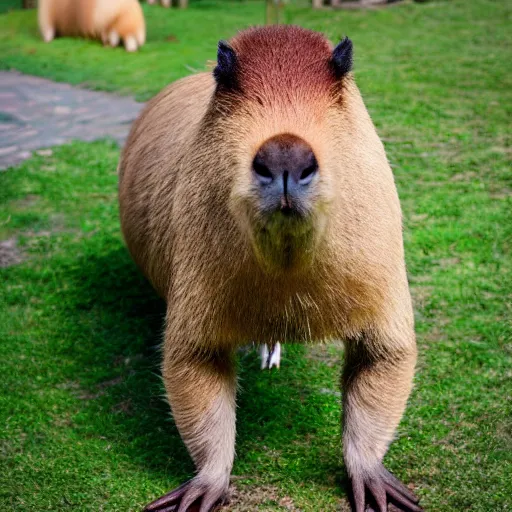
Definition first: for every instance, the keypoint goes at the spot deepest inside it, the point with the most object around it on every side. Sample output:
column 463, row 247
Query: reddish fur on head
column 277, row 65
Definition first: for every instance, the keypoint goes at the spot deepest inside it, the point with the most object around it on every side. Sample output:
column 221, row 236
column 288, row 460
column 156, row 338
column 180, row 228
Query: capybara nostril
column 308, row 173
column 285, row 153
column 262, row 172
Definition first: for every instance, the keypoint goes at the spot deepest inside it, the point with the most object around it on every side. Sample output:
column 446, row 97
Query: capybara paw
column 192, row 496
column 270, row 356
column 130, row 44
column 380, row 487
column 113, row 38
column 48, row 34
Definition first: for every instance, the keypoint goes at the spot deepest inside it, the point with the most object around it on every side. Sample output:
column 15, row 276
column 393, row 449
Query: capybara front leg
column 201, row 391
column 377, row 381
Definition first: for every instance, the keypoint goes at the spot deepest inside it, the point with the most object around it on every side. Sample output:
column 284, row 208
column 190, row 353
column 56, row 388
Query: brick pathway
column 36, row 113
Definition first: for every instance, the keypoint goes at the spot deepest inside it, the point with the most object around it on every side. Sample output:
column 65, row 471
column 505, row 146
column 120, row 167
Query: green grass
column 82, row 422
column 7, row 5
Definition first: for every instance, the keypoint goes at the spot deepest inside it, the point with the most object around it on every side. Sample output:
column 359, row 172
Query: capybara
column 111, row 21
column 259, row 202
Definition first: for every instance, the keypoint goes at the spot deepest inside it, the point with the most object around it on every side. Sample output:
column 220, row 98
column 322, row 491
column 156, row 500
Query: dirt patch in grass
column 464, row 176
column 448, row 262
column 420, row 295
column 251, row 498
column 363, row 4
column 102, row 388
column 27, row 202
column 329, row 354
column 10, row 254
column 503, row 193
column 124, row 407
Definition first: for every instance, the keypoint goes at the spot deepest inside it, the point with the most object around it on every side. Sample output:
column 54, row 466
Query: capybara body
column 110, row 21
column 259, row 202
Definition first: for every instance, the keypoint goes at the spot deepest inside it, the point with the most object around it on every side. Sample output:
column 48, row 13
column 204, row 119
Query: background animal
column 168, row 3
column 165, row 3
column 259, row 202
column 111, row 21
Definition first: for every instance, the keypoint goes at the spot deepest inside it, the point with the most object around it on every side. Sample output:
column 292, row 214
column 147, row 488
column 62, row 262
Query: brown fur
column 190, row 219
column 107, row 20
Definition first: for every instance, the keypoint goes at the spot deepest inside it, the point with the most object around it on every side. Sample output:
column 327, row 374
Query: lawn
column 83, row 425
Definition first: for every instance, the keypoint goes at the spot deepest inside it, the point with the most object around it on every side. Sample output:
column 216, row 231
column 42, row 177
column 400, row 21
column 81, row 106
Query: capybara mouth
column 284, row 241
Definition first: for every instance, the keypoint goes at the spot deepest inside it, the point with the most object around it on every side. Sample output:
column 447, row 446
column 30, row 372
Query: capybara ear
column 225, row 72
column 342, row 57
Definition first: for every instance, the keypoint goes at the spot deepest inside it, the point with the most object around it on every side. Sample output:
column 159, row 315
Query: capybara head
column 278, row 102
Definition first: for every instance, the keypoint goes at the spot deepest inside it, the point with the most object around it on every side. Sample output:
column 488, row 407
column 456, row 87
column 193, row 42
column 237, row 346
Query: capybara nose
column 286, row 159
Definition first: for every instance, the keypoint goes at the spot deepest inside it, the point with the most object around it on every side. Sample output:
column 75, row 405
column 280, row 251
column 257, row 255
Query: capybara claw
column 381, row 488
column 192, row 496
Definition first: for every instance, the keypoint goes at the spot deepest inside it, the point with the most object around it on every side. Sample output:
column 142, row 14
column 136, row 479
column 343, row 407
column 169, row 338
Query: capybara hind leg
column 130, row 44
column 48, row 34
column 201, row 392
column 113, row 38
column 270, row 356
column 140, row 36
column 131, row 28
column 46, row 24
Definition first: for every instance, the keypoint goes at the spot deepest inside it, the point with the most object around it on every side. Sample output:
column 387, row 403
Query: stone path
column 36, row 113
